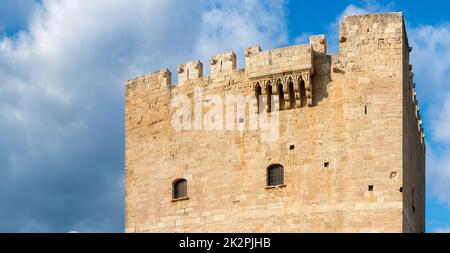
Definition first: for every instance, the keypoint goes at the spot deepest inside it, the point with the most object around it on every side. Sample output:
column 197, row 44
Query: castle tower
column 336, row 144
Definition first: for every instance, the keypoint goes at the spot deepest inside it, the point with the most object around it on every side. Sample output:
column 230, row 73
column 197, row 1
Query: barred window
column 302, row 91
column 275, row 175
column 179, row 189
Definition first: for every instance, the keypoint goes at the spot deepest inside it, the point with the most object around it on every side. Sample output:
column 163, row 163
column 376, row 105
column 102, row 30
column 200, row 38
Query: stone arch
column 280, row 91
column 302, row 92
column 291, row 91
column 275, row 175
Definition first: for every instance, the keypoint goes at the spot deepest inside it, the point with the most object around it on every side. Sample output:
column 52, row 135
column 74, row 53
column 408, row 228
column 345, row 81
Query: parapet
column 252, row 50
column 291, row 59
column 318, row 43
column 223, row 62
column 189, row 70
column 383, row 26
column 162, row 78
column 298, row 61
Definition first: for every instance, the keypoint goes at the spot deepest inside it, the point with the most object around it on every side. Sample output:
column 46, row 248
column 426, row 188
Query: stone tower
column 344, row 150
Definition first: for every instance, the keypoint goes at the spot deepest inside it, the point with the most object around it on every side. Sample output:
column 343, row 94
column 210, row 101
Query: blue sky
column 62, row 70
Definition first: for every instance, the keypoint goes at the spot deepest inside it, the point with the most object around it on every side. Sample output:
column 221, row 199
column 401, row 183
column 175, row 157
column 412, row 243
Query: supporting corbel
column 309, row 89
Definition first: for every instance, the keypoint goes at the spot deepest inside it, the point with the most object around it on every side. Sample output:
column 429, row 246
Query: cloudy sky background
column 62, row 70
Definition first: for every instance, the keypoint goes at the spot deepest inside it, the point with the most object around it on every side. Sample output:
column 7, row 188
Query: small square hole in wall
column 393, row 174
column 400, row 189
column 370, row 188
column 291, row 147
column 326, row 164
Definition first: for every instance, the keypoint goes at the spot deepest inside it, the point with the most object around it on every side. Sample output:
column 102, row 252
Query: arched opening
column 280, row 95
column 258, row 93
column 269, row 97
column 302, row 91
column 179, row 189
column 291, row 95
column 275, row 175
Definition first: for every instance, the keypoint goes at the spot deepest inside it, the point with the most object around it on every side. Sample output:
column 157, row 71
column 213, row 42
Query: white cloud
column 438, row 173
column 440, row 123
column 302, row 38
column 431, row 65
column 61, row 96
column 431, row 43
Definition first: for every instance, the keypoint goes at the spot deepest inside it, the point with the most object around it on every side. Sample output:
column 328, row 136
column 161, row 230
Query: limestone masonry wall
column 349, row 137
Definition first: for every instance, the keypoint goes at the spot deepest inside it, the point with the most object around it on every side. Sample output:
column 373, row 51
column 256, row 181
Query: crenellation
column 293, row 59
column 252, row 50
column 223, row 63
column 189, row 71
column 154, row 82
column 319, row 43
column 281, row 60
column 166, row 78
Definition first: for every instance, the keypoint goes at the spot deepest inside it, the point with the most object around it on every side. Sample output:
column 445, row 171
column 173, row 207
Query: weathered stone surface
column 354, row 160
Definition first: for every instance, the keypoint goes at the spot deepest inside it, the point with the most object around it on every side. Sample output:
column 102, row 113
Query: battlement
column 299, row 58
column 280, row 60
column 162, row 78
column 223, row 63
column 189, row 70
